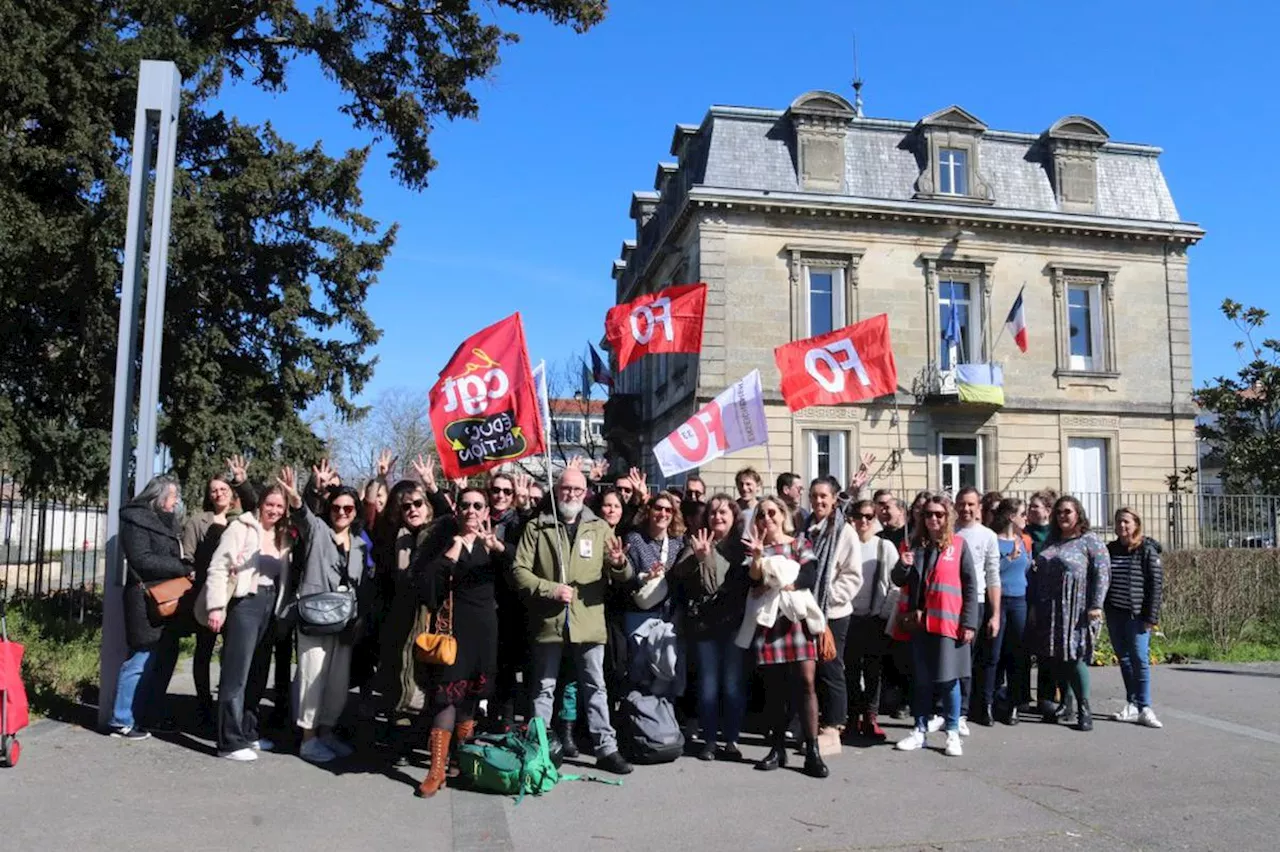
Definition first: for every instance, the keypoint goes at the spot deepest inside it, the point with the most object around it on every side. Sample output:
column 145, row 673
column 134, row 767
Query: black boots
column 1013, row 716
column 777, row 756
column 814, row 766
column 982, row 715
column 1084, row 722
column 568, row 746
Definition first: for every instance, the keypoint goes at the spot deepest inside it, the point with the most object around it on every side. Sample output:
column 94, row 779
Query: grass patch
column 1259, row 643
column 61, row 659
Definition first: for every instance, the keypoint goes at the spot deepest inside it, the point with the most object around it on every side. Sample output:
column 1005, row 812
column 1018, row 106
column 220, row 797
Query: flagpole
column 1005, row 325
column 546, row 464
column 902, row 468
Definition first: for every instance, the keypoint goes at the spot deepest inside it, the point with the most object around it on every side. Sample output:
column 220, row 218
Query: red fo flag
column 845, row 365
column 484, row 408
column 667, row 321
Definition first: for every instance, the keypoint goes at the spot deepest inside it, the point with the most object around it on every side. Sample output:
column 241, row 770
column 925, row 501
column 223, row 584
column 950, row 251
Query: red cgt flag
column 666, row 321
column 845, row 365
column 484, row 408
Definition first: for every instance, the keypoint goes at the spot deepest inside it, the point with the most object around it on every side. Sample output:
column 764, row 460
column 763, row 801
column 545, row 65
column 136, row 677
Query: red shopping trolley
column 13, row 695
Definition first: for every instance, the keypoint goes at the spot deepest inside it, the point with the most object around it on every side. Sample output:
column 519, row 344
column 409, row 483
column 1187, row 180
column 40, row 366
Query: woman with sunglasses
column 332, row 559
column 787, row 652
column 1065, row 595
column 867, row 645
column 837, row 583
column 712, row 574
column 652, row 549
column 406, row 617
column 456, row 577
column 940, row 611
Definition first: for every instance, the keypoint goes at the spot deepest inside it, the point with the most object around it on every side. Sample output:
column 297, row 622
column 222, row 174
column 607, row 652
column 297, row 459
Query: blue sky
column 528, row 207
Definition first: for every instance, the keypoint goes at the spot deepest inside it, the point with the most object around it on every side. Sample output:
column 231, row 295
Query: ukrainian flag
column 980, row 383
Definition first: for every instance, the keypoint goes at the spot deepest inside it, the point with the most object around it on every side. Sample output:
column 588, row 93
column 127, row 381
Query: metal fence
column 49, row 545
column 1181, row 521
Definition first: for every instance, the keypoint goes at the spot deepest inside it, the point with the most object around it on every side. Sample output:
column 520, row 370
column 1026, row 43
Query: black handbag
column 325, row 613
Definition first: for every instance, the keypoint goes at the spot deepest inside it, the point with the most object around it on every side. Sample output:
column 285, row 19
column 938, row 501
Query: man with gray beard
column 563, row 565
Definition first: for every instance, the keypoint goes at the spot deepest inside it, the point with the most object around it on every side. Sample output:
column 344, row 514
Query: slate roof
column 750, row 149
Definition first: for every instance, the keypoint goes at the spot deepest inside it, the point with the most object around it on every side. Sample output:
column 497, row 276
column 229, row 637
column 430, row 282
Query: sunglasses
column 475, row 506
column 663, row 510
column 1066, row 511
column 771, row 513
column 496, row 490
column 624, row 489
column 412, row 504
column 938, row 515
column 343, row 509
column 695, row 493
column 862, row 516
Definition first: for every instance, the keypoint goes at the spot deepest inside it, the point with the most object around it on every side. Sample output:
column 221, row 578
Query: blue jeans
column 722, row 688
column 925, row 690
column 142, row 683
column 1013, row 662
column 1132, row 643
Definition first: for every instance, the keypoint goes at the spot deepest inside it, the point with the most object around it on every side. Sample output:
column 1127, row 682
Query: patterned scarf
column 825, row 540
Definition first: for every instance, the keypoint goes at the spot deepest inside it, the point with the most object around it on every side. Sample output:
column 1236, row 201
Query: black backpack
column 648, row 732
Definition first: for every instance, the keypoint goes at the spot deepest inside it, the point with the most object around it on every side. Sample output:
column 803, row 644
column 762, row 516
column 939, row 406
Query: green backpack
column 513, row 764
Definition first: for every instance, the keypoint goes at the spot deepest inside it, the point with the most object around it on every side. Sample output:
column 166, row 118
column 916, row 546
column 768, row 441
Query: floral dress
column 786, row 641
column 1069, row 579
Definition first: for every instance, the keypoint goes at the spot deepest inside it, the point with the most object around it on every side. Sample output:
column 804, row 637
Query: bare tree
column 398, row 420
column 564, row 390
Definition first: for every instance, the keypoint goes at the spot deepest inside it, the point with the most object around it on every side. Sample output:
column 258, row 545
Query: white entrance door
column 960, row 463
column 827, row 452
column 1087, row 477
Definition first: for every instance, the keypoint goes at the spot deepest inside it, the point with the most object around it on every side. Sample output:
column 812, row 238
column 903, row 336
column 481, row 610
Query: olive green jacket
column 538, row 571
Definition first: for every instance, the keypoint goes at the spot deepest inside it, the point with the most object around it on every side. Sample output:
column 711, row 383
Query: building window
column 828, row 454
column 597, row 427
column 961, row 460
column 1084, row 323
column 567, row 431
column 1087, row 478
column 955, row 318
column 953, row 178
column 826, row 300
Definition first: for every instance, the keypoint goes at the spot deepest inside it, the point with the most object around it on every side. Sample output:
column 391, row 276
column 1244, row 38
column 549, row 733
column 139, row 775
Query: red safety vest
column 944, row 593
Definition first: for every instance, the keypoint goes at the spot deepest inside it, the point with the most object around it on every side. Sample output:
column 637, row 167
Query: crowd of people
column 580, row 605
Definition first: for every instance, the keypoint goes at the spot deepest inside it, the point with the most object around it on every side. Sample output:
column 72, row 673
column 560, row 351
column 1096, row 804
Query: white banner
column 732, row 421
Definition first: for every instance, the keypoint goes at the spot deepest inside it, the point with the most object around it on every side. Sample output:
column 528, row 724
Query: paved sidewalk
column 1209, row 780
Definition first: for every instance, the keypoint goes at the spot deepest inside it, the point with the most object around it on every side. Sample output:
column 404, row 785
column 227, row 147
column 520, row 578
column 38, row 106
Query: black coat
column 152, row 552
column 1146, row 583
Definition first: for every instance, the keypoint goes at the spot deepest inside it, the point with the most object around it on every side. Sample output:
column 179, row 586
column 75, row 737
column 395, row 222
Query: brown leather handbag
column 166, row 597
column 827, row 646
column 438, row 648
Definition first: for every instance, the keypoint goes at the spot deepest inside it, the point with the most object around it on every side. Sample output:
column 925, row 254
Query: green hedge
column 61, row 660
column 1222, row 603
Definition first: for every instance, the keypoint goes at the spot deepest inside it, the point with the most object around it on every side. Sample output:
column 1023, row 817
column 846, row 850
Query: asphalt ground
column 1209, row 780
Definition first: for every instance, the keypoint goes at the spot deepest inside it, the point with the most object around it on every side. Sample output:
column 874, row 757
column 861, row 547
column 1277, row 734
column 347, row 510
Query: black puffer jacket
column 153, row 552
column 1145, row 581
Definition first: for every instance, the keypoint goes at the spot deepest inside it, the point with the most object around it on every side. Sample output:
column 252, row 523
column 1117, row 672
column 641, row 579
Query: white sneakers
column 935, row 724
column 1128, row 714
column 912, row 741
column 1147, row 718
column 315, row 751
column 240, row 755
column 964, row 726
column 953, row 749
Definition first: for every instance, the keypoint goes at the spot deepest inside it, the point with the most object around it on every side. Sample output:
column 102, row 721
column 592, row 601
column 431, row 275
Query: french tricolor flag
column 1016, row 322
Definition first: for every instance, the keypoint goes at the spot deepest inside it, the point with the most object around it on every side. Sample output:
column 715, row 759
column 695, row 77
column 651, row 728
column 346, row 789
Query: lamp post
column 155, row 137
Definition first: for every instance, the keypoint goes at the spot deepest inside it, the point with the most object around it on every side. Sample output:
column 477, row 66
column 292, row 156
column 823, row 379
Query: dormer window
column 953, row 176
column 948, row 147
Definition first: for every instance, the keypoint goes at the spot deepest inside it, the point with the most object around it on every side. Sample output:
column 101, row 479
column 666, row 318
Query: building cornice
column 876, row 209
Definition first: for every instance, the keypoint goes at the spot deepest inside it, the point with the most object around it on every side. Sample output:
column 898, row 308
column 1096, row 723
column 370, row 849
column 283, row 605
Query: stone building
column 807, row 219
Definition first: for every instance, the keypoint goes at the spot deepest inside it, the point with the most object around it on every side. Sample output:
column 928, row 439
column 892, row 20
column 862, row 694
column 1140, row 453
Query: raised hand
column 753, row 542
column 239, row 468
column 288, row 480
column 490, row 539
column 426, row 471
column 599, row 469
column 640, row 482
column 386, row 462
column 864, row 472
column 617, row 552
column 323, row 474
column 459, row 484
column 702, row 543
column 575, row 463
column 522, row 482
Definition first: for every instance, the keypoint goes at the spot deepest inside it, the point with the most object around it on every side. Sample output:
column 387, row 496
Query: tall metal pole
column 154, row 136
